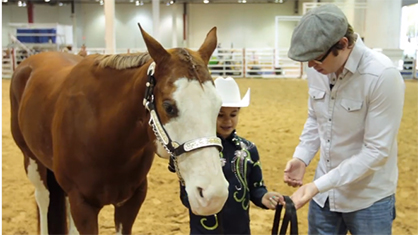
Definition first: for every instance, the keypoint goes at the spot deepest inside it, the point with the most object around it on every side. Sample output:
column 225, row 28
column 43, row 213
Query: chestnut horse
column 89, row 127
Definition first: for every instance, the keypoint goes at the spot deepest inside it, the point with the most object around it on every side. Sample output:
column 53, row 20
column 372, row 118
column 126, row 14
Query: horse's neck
column 139, row 89
column 122, row 95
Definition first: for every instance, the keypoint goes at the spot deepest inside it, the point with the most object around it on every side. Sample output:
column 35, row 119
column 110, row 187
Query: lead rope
column 290, row 216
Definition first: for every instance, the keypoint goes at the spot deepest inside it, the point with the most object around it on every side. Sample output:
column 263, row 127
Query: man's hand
column 304, row 194
column 294, row 172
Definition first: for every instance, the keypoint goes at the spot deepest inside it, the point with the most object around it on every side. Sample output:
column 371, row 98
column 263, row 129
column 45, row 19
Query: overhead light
column 21, row 4
column 172, row 2
column 139, row 3
column 244, row 1
column 101, row 2
column 47, row 0
column 4, row 0
column 205, row 1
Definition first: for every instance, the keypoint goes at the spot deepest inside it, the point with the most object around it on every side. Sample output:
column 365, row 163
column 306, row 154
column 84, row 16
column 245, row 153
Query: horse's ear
column 209, row 45
column 156, row 51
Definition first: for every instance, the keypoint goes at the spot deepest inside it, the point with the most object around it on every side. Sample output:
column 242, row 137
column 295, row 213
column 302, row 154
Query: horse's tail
column 57, row 216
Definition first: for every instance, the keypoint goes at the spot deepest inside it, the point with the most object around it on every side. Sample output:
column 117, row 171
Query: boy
column 242, row 169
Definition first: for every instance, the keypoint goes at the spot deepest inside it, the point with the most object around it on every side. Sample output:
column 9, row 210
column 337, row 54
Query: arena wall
column 239, row 25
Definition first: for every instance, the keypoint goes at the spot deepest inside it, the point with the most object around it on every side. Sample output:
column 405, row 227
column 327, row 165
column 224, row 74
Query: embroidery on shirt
column 239, row 167
column 203, row 220
column 261, row 183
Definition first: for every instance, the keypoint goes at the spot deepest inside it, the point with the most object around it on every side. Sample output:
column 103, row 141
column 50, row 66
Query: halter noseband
column 173, row 148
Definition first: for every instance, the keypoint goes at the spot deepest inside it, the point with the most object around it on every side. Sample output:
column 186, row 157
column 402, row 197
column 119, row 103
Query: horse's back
column 34, row 89
column 40, row 67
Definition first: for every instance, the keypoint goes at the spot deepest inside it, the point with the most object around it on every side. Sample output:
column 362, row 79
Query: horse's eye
column 170, row 108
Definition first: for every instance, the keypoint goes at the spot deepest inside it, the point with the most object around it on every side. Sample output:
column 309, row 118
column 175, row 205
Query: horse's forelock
column 195, row 66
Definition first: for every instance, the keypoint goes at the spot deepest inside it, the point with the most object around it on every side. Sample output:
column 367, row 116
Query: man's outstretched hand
column 304, row 194
column 294, row 172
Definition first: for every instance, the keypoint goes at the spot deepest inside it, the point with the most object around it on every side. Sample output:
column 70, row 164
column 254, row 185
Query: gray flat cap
column 317, row 31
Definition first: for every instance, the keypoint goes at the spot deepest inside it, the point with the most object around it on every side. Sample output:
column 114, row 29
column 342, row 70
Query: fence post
column 244, row 64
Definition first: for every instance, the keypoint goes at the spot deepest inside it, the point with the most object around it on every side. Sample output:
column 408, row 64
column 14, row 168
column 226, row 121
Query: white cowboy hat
column 229, row 91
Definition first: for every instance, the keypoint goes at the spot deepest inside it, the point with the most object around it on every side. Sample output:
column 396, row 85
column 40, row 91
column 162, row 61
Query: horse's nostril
column 200, row 191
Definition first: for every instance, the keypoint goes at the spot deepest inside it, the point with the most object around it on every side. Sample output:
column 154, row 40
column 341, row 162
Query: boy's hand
column 270, row 200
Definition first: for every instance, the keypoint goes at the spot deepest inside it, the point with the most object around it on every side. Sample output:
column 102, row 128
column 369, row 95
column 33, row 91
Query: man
column 83, row 51
column 355, row 106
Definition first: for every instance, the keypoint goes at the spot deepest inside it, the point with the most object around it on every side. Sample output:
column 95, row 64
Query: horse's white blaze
column 119, row 232
column 72, row 229
column 41, row 195
column 198, row 106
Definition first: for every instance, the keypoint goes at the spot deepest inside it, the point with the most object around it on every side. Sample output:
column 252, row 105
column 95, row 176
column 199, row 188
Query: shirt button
column 328, row 141
column 341, row 78
column 329, row 119
column 332, row 97
column 327, row 160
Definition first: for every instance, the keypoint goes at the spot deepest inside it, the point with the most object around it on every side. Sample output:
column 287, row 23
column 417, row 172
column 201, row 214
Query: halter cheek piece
column 173, row 148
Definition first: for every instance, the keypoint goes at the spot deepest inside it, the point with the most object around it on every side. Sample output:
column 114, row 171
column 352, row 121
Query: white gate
column 7, row 61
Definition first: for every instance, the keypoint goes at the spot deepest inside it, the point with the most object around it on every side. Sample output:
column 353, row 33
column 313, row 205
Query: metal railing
column 243, row 62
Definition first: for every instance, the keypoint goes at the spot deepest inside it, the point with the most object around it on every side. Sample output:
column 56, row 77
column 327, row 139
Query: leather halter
column 172, row 147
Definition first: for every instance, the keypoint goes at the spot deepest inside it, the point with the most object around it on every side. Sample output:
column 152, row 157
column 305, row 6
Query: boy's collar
column 230, row 137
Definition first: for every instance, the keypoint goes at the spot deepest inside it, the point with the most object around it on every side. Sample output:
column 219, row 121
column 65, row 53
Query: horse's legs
column 125, row 214
column 37, row 175
column 72, row 228
column 49, row 197
column 85, row 215
column 35, row 171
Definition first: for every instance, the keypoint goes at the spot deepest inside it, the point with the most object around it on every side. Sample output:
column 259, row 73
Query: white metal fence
column 254, row 62
column 244, row 62
column 7, row 62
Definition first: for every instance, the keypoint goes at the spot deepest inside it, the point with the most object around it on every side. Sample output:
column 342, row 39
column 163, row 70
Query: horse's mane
column 122, row 61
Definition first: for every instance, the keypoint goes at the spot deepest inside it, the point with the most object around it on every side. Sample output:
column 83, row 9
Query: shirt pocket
column 349, row 116
column 317, row 101
column 316, row 94
column 351, row 105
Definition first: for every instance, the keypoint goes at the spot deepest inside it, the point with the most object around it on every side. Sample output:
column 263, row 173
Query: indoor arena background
column 273, row 121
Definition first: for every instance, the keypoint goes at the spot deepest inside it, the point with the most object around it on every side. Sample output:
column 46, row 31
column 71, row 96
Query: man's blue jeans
column 376, row 219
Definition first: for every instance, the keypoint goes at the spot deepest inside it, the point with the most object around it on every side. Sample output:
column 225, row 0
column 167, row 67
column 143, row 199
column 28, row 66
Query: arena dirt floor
column 273, row 122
